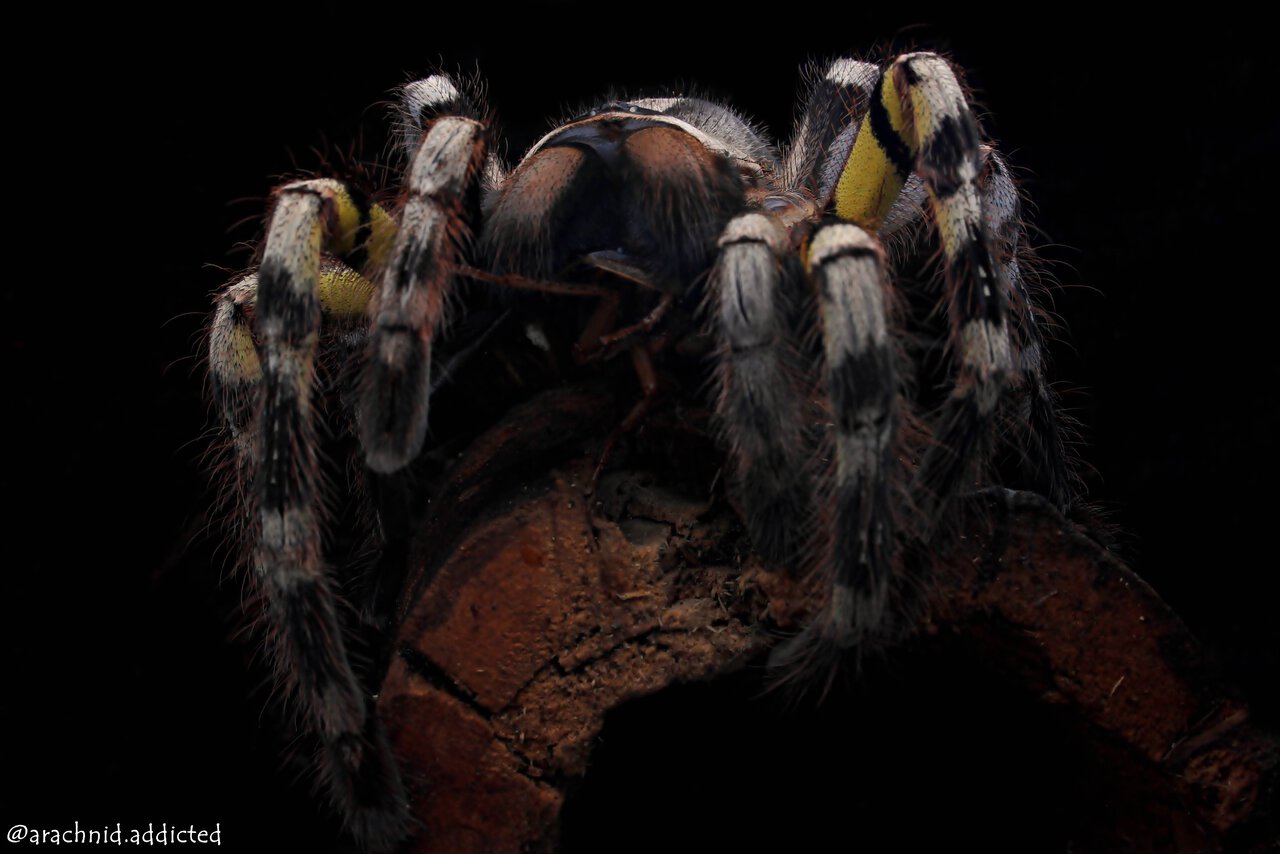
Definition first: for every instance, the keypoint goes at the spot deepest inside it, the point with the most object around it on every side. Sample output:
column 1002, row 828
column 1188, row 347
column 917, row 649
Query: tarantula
column 670, row 211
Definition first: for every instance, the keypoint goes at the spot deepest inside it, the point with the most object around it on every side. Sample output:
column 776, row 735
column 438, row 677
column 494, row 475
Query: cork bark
column 532, row 611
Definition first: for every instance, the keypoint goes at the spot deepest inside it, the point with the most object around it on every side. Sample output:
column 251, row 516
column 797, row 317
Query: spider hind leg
column 263, row 351
column 1046, row 465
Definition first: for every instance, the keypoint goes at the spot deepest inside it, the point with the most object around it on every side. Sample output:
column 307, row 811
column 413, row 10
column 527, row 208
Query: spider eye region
column 640, row 186
column 622, row 107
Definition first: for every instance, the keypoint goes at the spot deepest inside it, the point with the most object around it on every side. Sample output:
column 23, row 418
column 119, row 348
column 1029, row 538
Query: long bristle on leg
column 759, row 411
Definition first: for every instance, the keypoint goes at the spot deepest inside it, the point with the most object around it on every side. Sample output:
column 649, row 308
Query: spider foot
column 832, row 643
column 364, row 785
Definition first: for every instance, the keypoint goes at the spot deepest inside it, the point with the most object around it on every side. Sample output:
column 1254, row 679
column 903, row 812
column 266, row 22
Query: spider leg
column 606, row 346
column 1038, row 423
column 1045, row 462
column 266, row 397
column 308, row 642
column 235, row 367
column 920, row 121
column 410, row 305
column 829, row 122
column 847, row 269
column 235, row 372
column 758, row 397
column 858, row 527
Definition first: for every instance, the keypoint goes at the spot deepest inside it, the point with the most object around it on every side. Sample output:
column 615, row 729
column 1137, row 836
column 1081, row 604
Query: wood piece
column 538, row 614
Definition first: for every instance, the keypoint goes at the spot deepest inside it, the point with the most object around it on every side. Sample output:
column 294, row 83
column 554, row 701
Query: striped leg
column 1038, row 424
column 410, row 305
column 1045, row 463
column 920, row 121
column 234, row 365
column 848, row 272
column 759, row 409
column 834, row 108
column 266, row 395
column 235, row 372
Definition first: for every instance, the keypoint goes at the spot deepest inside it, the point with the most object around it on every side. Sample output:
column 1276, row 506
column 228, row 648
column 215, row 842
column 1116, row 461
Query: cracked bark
column 530, row 613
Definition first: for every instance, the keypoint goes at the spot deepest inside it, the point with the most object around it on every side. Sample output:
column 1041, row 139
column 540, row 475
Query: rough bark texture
column 531, row 612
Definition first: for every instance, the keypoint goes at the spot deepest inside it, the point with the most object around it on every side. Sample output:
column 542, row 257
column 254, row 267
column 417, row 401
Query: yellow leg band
column 242, row 355
column 382, row 235
column 344, row 293
column 871, row 180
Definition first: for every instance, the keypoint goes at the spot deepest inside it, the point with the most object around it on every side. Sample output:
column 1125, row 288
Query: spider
column 669, row 216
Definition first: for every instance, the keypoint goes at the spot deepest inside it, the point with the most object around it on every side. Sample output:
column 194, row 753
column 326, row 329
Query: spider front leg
column 759, row 407
column 919, row 121
column 847, row 268
column 762, row 415
column 857, row 526
column 411, row 302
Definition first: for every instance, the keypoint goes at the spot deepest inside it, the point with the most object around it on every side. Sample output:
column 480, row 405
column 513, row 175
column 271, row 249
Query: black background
column 1149, row 151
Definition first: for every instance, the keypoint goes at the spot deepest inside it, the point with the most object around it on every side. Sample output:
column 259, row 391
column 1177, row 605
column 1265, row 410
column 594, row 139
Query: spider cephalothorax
column 670, row 217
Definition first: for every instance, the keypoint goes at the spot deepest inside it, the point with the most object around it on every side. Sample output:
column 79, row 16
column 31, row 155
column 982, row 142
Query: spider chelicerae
column 670, row 217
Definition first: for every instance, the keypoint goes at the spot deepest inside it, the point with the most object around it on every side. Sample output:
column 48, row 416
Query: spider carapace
column 667, row 213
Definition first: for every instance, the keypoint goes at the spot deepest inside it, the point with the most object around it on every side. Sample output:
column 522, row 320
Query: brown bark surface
column 532, row 611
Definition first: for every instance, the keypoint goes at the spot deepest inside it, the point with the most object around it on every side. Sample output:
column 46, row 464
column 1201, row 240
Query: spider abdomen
column 641, row 190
